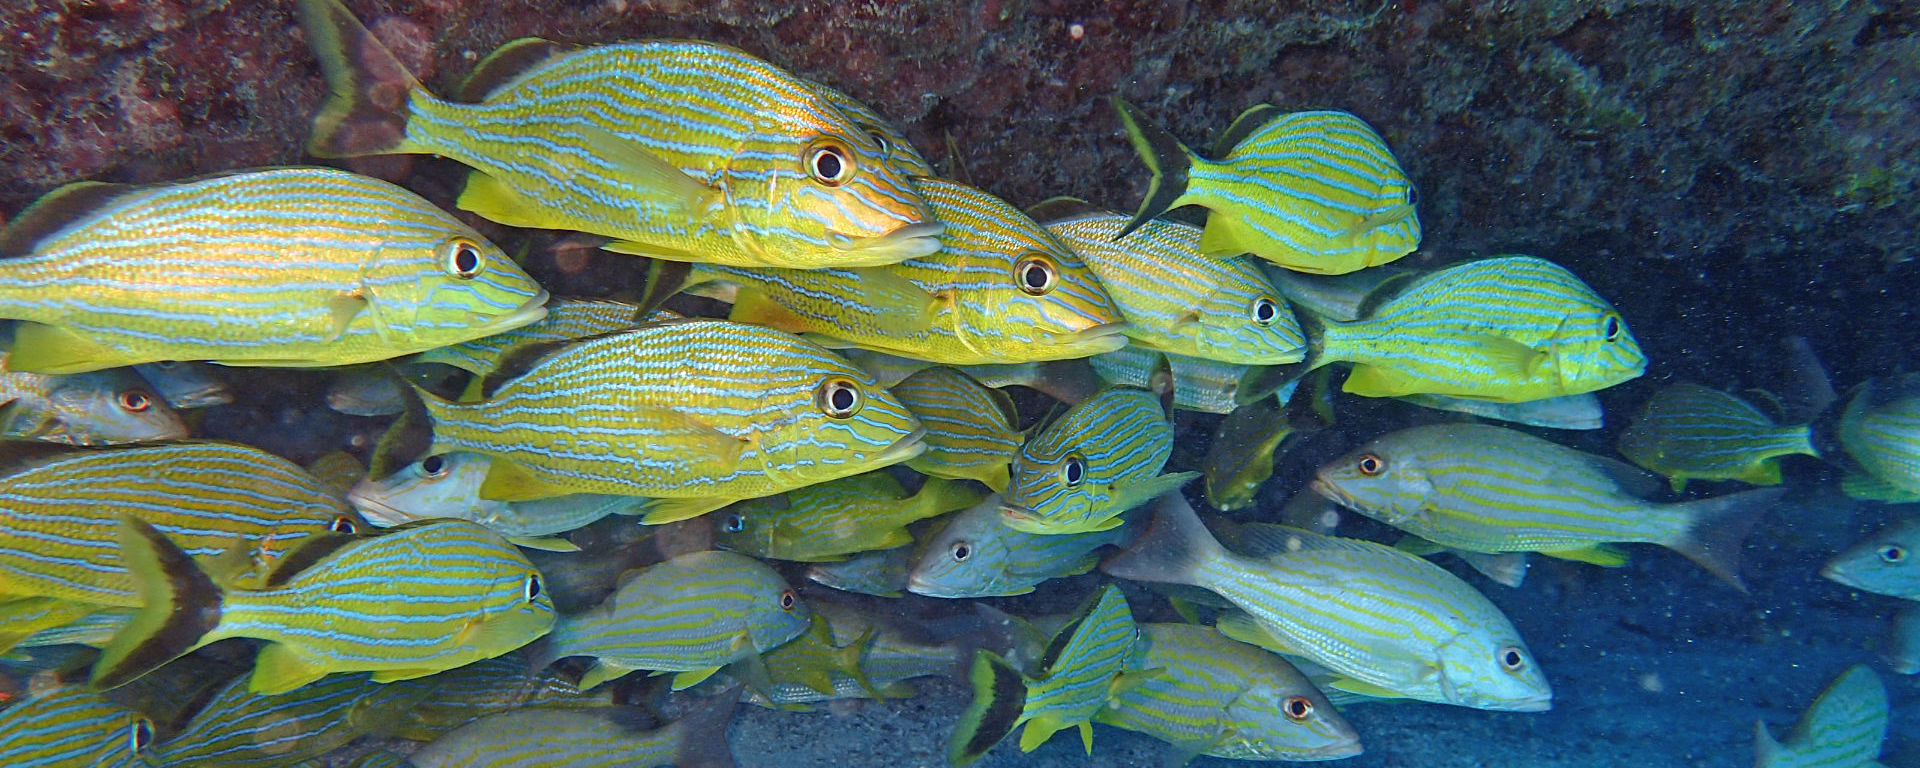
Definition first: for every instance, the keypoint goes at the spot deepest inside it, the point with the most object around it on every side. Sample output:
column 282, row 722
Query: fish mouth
column 1332, row 492
column 1538, row 704
column 376, row 511
column 531, row 311
column 1097, row 339
column 904, row 448
column 910, row 241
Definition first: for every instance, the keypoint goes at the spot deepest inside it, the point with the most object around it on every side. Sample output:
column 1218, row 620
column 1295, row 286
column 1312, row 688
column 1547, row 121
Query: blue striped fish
column 1099, row 459
column 1884, row 563
column 567, row 319
column 690, row 615
column 673, row 149
column 1508, row 329
column 1880, row 430
column 186, row 385
column 1085, row 664
column 403, row 604
column 278, row 266
column 73, row 727
column 60, row 512
column 1389, row 623
column 1842, row 729
column 975, row 555
column 448, row 486
column 694, row 413
column 970, row 427
column 900, row 154
column 1174, row 299
column 238, row 728
column 1311, row 191
column 39, row 622
column 1000, row 290
column 1688, row 431
column 1484, row 488
column 1220, row 697
column 837, row 518
column 571, row 738
column 94, row 408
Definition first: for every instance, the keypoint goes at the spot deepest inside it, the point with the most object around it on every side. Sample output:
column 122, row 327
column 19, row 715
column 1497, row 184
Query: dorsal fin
column 304, row 557
column 1387, row 290
column 1062, row 208
column 1243, row 126
column 506, row 64
column 54, row 211
column 516, row 363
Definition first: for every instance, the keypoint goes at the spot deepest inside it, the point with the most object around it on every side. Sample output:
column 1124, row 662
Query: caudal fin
column 181, row 606
column 1717, row 530
column 1165, row 156
column 368, row 104
column 1171, row 550
column 999, row 697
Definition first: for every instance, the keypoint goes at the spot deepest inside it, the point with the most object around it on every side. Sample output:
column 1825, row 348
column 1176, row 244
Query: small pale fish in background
column 893, row 651
column 1687, row 432
column 1901, row 649
column 1206, row 386
column 974, row 555
column 1880, row 430
column 373, row 390
column 74, row 727
column 448, row 486
column 237, row 728
column 1099, row 459
column 1348, row 297
column 970, row 427
column 1885, row 563
column 1581, row 412
column 186, row 385
column 1843, row 728
column 105, row 407
column 610, row 737
column 838, row 518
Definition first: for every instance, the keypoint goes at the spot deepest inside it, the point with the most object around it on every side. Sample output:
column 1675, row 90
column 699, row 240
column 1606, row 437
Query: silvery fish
column 1099, row 459
column 690, row 615
column 279, row 266
column 1687, row 432
column 1000, row 290
column 1391, row 624
column 573, row 738
column 693, row 413
column 1483, row 488
column 1348, row 297
column 975, row 555
column 448, row 486
column 403, row 604
column 1508, row 329
column 93, row 408
column 369, row 390
column 891, row 652
column 60, row 518
column 1580, row 411
column 1069, row 381
column 881, row 573
column 1880, row 430
column 673, row 149
column 970, row 427
column 74, row 727
column 1206, row 386
column 1842, row 729
column 1884, row 563
column 1174, row 299
column 186, row 385
column 837, row 518
column 1311, row 191
column 1220, row 697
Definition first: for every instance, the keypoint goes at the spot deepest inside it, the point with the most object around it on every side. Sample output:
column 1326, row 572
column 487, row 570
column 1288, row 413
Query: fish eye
column 532, row 588
column 140, row 735
column 961, row 551
column 434, row 466
column 734, row 523
column 839, row 397
column 343, row 524
column 1265, row 311
column 1297, row 708
column 1035, row 274
column 1371, row 465
column 881, row 139
column 135, row 401
column 788, row 600
column 1893, row 553
column 1513, row 659
column 1413, row 195
column 463, row 260
column 1074, row 471
column 829, row 163
column 1611, row 328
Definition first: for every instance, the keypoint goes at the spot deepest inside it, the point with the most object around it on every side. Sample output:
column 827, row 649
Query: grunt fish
column 1099, row 459
column 74, row 727
column 975, row 555
column 94, row 408
column 1691, row 432
column 837, row 518
column 1885, row 563
column 448, row 486
column 1843, row 728
column 970, row 427
column 1880, row 431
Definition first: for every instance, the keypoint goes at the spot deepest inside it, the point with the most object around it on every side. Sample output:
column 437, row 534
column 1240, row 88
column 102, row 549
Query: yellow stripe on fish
column 834, row 519
column 1311, row 191
column 1843, row 728
column 1880, row 430
column 74, row 727
column 674, row 149
column 279, row 266
column 900, row 154
column 610, row 738
column 1099, row 459
column 1687, row 431
column 566, row 319
column 970, row 427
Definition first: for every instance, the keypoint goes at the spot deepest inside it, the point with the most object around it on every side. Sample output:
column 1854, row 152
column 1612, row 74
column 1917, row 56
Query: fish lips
column 377, row 511
column 910, row 241
column 903, row 449
column 1321, row 485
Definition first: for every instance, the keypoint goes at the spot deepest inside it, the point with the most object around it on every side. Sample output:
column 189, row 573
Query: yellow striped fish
column 60, row 514
column 1688, row 431
column 1880, row 430
column 1220, row 697
column 1391, row 624
column 1483, row 488
column 1000, row 290
column 450, row 699
column 238, row 728
column 1842, row 729
column 566, row 319
column 74, row 727
column 813, row 661
column 694, row 413
column 1508, row 329
column 448, row 486
column 673, row 149
column 1311, row 191
column 564, row 738
column 1885, row 563
column 690, row 615
column 1174, row 299
column 279, row 266
column 892, row 651
column 404, row 604
column 970, row 427
column 1099, row 459
column 900, row 154
column 94, row 408
column 1240, row 457
column 834, row 519
column 975, row 555
column 1085, row 665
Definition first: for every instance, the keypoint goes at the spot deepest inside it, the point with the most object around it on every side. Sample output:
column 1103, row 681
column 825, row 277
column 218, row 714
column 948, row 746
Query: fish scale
column 970, row 432
column 59, row 516
column 1123, row 437
column 71, row 727
column 249, row 268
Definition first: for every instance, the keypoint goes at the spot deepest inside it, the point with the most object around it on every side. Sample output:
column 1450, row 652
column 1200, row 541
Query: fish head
column 748, row 527
column 1592, row 349
column 111, row 406
column 1252, row 326
column 1492, row 670
column 821, row 193
column 1051, row 491
column 771, row 611
column 1885, row 563
column 1288, row 723
column 460, row 289
column 834, row 421
column 440, row 485
column 965, row 558
column 186, row 384
column 1385, row 479
column 514, row 606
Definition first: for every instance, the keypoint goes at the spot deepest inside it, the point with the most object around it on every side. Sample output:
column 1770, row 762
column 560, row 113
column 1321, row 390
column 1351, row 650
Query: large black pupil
column 827, row 164
column 1074, row 471
column 533, row 587
column 1036, row 276
column 466, row 260
column 432, row 464
column 961, row 552
column 842, row 399
column 1613, row 328
column 1263, row 311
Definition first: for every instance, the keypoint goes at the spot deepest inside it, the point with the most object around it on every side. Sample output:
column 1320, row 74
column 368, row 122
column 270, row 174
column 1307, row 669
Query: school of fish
column 846, row 381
